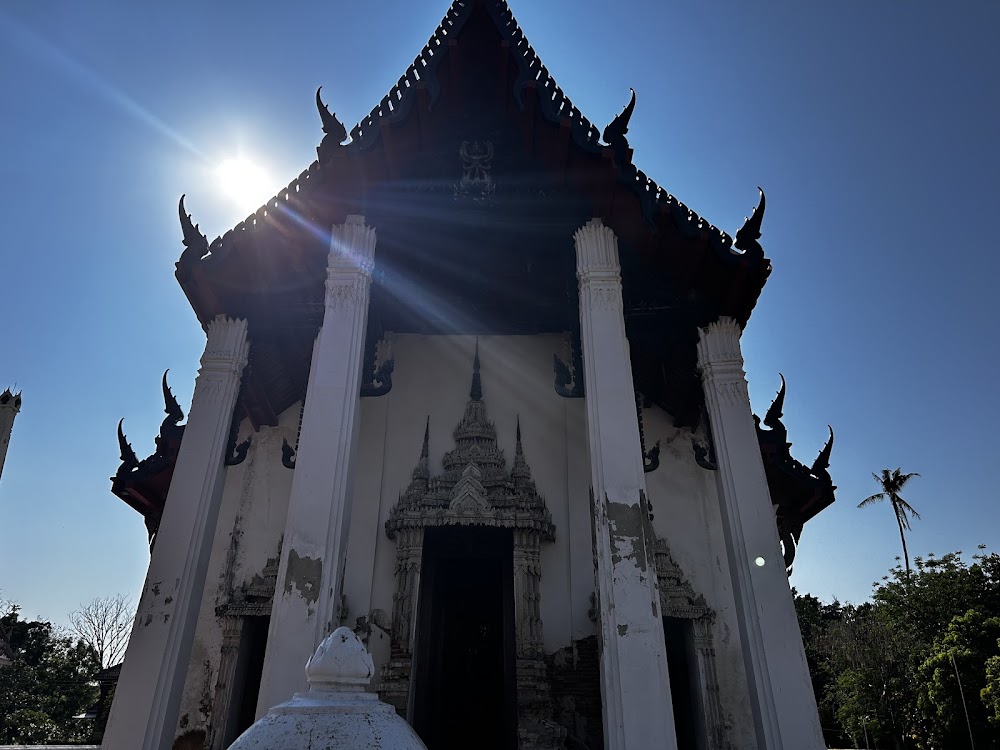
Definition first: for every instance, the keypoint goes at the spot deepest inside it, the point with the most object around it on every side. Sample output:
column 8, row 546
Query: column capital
column 350, row 263
column 352, row 246
column 719, row 343
column 596, row 252
column 227, row 341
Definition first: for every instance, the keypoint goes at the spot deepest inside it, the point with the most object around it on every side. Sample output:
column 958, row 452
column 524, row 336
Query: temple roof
column 475, row 169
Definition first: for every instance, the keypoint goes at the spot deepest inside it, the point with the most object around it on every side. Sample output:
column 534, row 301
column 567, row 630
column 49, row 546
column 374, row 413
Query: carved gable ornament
column 475, row 488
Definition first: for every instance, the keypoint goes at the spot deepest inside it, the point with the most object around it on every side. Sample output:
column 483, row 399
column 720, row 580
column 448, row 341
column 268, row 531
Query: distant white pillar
column 310, row 571
column 635, row 686
column 781, row 694
column 10, row 405
column 147, row 700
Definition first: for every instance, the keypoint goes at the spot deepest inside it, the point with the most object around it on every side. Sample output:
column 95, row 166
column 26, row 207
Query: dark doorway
column 464, row 687
column 246, row 680
column 685, row 687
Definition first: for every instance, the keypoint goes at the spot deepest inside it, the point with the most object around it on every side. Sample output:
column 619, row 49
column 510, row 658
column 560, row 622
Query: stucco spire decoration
column 520, row 472
column 476, row 392
column 476, row 489
column 614, row 133
column 129, row 460
column 822, row 463
column 195, row 243
column 422, row 472
column 426, row 500
column 335, row 713
column 749, row 234
column 334, row 129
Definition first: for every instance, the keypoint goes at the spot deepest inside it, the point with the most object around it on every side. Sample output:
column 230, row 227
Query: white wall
column 251, row 523
column 432, row 377
column 686, row 515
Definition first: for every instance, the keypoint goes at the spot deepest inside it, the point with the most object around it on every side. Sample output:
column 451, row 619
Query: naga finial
column 335, row 132
column 129, row 459
column 170, row 406
column 614, row 133
column 822, row 463
column 195, row 243
column 749, row 234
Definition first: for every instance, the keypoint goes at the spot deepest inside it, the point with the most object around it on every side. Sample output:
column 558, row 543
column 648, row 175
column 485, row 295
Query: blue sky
column 871, row 125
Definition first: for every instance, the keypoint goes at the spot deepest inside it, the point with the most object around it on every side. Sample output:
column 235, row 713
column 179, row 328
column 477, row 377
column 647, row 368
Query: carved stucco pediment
column 677, row 597
column 475, row 488
column 469, row 495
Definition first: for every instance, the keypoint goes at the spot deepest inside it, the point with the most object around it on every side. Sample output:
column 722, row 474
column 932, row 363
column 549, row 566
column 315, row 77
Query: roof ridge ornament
column 749, row 234
column 614, row 133
column 334, row 129
column 772, row 418
column 195, row 243
column 129, row 460
column 170, row 406
column 822, row 463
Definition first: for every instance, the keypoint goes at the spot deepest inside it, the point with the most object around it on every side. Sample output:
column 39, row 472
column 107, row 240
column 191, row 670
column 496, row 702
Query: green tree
column 881, row 669
column 951, row 680
column 892, row 484
column 48, row 683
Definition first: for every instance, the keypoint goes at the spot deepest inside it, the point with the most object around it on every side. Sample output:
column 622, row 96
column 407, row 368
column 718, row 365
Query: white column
column 635, row 686
column 781, row 694
column 10, row 405
column 310, row 573
column 147, row 700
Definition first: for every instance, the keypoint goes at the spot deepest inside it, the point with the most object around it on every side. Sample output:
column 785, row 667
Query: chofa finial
column 614, row 133
column 749, row 234
column 195, row 243
column 335, row 132
column 774, row 413
column 170, row 406
column 822, row 463
column 129, row 459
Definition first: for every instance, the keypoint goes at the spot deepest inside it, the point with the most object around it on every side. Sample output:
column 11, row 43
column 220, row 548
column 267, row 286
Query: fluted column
column 147, row 700
column 635, row 687
column 781, row 694
column 310, row 573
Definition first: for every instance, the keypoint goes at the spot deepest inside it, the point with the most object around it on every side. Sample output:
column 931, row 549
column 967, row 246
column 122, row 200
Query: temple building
column 472, row 387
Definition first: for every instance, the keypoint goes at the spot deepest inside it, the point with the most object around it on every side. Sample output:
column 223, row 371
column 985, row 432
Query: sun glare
column 244, row 182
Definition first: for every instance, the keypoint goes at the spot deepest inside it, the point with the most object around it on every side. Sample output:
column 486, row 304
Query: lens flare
column 244, row 182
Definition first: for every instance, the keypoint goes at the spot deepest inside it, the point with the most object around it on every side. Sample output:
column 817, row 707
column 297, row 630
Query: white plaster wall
column 432, row 377
column 686, row 515
column 249, row 530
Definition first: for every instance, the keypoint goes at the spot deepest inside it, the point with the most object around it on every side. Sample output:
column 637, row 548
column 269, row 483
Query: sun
column 244, row 182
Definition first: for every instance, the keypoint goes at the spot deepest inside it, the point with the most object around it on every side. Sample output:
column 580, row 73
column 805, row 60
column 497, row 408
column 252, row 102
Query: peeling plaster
column 626, row 526
column 305, row 574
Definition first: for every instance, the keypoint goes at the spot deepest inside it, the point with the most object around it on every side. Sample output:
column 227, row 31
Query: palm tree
column 892, row 483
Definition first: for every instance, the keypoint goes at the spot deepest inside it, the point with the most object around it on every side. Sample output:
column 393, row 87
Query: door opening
column 464, row 684
column 685, row 686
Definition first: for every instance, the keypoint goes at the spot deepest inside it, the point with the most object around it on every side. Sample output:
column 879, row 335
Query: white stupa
column 335, row 713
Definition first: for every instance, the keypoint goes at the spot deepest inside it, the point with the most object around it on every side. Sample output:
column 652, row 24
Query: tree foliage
column 885, row 671
column 891, row 484
column 48, row 683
